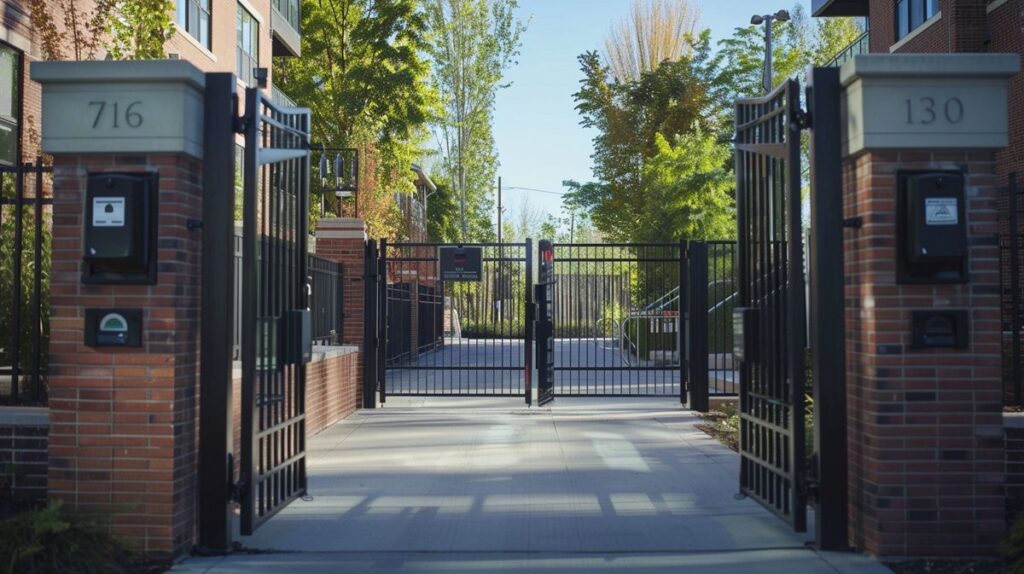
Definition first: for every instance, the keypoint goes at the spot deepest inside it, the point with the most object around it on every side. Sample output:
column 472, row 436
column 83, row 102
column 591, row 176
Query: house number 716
column 924, row 111
column 130, row 117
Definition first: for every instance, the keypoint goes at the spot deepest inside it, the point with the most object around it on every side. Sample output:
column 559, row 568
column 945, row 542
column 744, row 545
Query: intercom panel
column 119, row 235
column 931, row 228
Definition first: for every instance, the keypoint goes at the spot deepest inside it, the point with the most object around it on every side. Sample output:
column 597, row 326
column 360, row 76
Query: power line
column 537, row 190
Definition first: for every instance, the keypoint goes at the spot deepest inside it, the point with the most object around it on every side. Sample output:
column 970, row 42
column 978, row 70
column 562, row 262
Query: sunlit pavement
column 489, row 486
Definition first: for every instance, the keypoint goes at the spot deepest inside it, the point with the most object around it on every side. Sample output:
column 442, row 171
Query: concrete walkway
column 474, row 485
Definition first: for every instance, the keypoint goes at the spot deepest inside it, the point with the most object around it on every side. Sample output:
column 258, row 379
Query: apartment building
column 237, row 36
column 944, row 26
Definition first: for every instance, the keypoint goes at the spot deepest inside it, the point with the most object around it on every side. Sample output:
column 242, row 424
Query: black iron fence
column 325, row 303
column 25, row 232
column 1011, row 237
column 723, row 371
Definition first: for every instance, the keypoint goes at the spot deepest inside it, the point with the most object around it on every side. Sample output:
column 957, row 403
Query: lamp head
column 782, row 15
column 757, row 20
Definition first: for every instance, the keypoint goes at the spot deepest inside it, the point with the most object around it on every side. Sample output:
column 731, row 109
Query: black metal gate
column 274, row 307
column 617, row 320
column 771, row 286
column 455, row 338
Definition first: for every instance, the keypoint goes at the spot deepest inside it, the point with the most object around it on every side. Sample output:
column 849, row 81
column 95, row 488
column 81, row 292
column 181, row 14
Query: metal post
column 250, row 302
column 382, row 321
column 795, row 301
column 531, row 318
column 768, row 54
column 499, row 216
column 1015, row 310
column 371, row 317
column 697, row 304
column 683, row 322
column 215, row 379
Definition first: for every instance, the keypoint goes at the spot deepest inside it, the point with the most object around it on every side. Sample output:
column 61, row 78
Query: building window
column 10, row 80
column 248, row 46
column 911, row 14
column 194, row 18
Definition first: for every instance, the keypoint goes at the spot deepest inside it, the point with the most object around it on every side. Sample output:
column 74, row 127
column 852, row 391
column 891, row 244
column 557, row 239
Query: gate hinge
column 241, row 124
column 803, row 118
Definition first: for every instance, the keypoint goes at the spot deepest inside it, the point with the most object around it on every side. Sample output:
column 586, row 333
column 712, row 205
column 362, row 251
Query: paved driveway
column 475, row 485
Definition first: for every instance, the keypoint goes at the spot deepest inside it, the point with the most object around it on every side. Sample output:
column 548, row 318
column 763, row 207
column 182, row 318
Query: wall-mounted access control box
column 113, row 327
column 931, row 232
column 120, row 227
column 939, row 329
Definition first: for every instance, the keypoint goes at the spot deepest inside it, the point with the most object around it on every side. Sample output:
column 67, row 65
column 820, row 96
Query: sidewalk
column 479, row 485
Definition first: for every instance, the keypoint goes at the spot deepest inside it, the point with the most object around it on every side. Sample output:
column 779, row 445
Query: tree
column 654, row 32
column 363, row 76
column 630, row 116
column 472, row 43
column 127, row 29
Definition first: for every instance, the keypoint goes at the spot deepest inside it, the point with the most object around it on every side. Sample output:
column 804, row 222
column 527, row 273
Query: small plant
column 50, row 540
column 1012, row 548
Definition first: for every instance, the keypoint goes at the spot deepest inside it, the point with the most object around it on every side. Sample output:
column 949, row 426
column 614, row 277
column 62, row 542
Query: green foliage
column 1012, row 549
column 363, row 76
column 472, row 43
column 662, row 172
column 139, row 29
column 49, row 540
column 8, row 246
column 442, row 214
column 128, row 29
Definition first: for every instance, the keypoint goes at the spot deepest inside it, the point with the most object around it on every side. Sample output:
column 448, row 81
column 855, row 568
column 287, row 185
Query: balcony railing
column 856, row 48
column 279, row 98
column 285, row 25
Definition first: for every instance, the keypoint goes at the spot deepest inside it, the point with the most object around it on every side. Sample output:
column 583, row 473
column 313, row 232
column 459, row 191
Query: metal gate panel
column 617, row 319
column 445, row 338
column 771, row 282
column 274, row 268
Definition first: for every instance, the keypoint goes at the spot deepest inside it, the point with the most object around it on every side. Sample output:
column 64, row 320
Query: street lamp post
column 767, row 19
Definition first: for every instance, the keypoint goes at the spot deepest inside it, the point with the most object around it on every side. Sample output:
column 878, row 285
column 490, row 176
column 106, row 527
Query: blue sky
column 537, row 131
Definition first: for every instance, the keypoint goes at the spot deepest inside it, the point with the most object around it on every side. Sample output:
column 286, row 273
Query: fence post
column 217, row 308
column 828, row 343
column 683, row 323
column 1015, row 310
column 697, row 309
column 370, row 329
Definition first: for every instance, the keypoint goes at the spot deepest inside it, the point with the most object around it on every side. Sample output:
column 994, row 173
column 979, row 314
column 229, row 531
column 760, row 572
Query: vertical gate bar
column 826, row 310
column 19, row 201
column 215, row 379
column 698, row 342
column 742, row 278
column 37, row 282
column 1015, row 291
column 529, row 325
column 250, row 309
column 797, row 321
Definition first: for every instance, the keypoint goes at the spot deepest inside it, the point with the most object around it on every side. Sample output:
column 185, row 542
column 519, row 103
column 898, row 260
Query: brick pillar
column 925, row 426
column 344, row 239
column 123, row 420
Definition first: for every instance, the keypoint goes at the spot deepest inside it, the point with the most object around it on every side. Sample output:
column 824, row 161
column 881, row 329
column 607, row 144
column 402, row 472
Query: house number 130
column 924, row 111
column 128, row 115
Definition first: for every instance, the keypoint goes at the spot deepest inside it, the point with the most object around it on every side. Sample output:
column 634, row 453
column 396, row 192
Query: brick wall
column 925, row 427
column 1006, row 26
column 23, row 458
column 122, row 421
column 344, row 239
